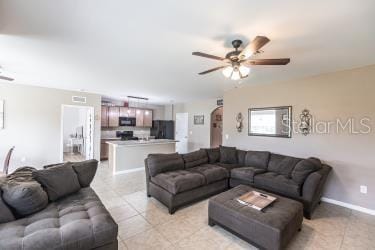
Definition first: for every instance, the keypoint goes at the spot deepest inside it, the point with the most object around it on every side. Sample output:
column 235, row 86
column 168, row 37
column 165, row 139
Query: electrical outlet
column 363, row 189
column 191, row 132
column 226, row 136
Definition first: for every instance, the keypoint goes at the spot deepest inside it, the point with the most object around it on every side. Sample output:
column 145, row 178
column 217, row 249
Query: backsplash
column 138, row 132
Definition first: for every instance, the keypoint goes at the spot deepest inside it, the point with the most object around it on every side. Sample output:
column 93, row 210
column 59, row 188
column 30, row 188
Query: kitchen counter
column 129, row 156
column 139, row 142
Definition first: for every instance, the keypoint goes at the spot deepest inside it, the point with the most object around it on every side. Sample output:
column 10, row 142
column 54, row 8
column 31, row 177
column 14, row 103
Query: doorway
column 182, row 127
column 216, row 127
column 77, row 132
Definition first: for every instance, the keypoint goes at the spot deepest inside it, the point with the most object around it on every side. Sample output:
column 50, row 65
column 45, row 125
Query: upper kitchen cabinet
column 104, row 116
column 139, row 113
column 113, row 116
column 147, row 118
column 127, row 112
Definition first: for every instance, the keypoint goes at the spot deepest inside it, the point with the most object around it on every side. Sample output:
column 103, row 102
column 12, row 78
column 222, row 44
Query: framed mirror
column 273, row 121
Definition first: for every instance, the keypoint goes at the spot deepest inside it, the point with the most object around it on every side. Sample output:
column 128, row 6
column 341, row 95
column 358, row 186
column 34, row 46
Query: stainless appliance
column 126, row 135
column 162, row 129
column 127, row 121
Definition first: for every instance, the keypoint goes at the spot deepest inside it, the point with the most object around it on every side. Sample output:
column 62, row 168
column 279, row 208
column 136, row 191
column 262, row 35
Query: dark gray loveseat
column 78, row 220
column 177, row 180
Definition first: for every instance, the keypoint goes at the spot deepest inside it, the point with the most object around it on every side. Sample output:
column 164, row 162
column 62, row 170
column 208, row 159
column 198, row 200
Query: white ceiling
column 143, row 48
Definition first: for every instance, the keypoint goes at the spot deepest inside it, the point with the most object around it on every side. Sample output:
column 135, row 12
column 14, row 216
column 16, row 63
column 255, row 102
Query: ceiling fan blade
column 279, row 61
column 211, row 70
column 253, row 46
column 208, row 56
column 6, row 78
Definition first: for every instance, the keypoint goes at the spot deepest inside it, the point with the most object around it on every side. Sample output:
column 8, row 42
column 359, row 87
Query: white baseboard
column 348, row 205
column 128, row 171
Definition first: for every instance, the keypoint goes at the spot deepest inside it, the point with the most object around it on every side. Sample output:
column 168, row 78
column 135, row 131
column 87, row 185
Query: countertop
column 140, row 142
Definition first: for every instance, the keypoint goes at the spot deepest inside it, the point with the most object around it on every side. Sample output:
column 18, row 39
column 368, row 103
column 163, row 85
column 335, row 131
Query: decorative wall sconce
column 239, row 119
column 305, row 125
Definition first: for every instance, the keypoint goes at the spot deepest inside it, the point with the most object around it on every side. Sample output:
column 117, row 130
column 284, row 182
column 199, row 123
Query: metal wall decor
column 239, row 119
column 198, row 119
column 305, row 125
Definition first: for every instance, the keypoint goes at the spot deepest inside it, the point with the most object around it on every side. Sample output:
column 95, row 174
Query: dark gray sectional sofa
column 179, row 179
column 59, row 212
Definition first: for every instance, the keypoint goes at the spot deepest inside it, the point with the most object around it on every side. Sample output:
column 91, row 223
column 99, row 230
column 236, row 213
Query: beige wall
column 199, row 135
column 33, row 123
column 340, row 95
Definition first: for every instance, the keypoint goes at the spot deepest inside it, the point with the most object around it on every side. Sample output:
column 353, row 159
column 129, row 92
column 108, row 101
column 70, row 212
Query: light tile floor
column 144, row 223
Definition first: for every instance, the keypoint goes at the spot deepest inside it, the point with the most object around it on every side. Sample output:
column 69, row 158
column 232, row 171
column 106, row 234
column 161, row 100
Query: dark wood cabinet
column 104, row 148
column 104, row 117
column 113, row 116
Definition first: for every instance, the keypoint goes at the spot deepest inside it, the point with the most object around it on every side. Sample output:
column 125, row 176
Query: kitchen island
column 129, row 156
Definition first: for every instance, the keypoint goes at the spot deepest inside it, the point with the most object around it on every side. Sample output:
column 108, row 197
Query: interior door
column 182, row 127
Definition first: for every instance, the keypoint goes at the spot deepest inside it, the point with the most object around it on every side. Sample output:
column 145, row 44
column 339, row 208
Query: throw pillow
column 241, row 155
column 228, row 155
column 304, row 168
column 5, row 214
column 213, row 155
column 58, row 181
column 195, row 158
column 85, row 171
column 24, row 194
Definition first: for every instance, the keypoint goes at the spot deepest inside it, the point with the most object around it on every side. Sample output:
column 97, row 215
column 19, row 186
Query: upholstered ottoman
column 271, row 228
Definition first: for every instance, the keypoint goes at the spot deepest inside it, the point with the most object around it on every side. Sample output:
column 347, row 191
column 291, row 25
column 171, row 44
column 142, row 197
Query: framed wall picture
column 2, row 114
column 198, row 119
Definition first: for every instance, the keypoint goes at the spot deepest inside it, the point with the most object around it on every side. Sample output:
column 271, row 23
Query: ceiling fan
column 239, row 61
column 2, row 77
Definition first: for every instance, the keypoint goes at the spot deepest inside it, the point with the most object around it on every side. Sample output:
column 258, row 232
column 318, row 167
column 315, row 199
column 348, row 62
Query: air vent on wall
column 79, row 99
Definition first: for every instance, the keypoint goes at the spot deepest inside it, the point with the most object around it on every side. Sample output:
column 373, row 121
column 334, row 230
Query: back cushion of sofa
column 160, row 163
column 213, row 155
column 6, row 214
column 241, row 155
column 195, row 158
column 304, row 168
column 282, row 164
column 228, row 155
column 257, row 159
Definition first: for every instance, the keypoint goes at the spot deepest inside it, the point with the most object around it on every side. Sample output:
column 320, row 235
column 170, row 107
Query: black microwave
column 127, row 121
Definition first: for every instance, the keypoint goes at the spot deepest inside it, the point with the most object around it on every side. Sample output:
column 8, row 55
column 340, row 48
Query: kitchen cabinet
column 104, row 116
column 103, row 150
column 147, row 118
column 127, row 112
column 139, row 113
column 113, row 116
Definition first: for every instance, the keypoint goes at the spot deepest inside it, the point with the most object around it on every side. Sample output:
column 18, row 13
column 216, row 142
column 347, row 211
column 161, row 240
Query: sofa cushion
column 227, row 166
column 160, row 163
column 304, row 168
column 257, row 159
column 246, row 173
column 212, row 173
column 85, row 171
column 58, row 181
column 282, row 164
column 280, row 184
column 6, row 214
column 179, row 181
column 23, row 194
column 195, row 158
column 79, row 221
column 241, row 155
column 213, row 155
column 228, row 155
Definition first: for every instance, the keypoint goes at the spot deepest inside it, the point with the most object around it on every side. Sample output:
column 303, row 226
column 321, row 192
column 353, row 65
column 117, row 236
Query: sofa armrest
column 312, row 188
column 148, row 178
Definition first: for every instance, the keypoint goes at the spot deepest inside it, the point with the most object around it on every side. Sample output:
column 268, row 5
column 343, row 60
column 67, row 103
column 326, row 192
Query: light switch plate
column 363, row 189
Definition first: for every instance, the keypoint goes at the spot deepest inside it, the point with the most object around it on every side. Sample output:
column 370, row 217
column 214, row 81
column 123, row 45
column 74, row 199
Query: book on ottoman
column 256, row 200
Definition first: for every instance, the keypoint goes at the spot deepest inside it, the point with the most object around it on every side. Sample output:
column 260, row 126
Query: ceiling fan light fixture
column 227, row 71
column 236, row 75
column 244, row 71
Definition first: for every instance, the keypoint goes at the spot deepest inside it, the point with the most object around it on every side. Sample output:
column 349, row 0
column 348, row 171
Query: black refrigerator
column 162, row 129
